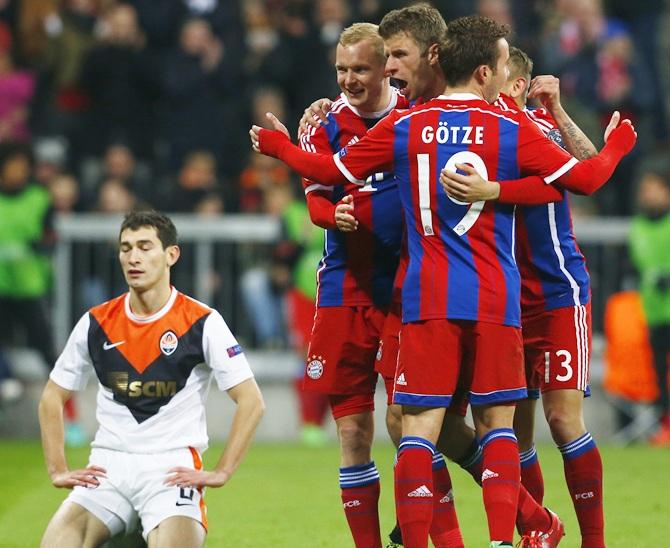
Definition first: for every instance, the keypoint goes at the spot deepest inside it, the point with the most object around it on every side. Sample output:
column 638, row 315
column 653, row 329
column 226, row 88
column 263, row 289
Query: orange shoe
column 662, row 437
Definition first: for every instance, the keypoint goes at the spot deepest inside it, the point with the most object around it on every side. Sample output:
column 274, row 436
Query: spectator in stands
column 650, row 252
column 50, row 158
column 16, row 92
column 261, row 36
column 262, row 286
column 60, row 101
column 26, row 238
column 197, row 185
column 201, row 83
column 304, row 43
column 64, row 191
column 119, row 162
column 115, row 197
column 262, row 172
column 120, row 79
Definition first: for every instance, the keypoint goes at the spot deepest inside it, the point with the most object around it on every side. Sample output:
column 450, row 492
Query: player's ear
column 433, row 54
column 482, row 74
column 173, row 253
column 520, row 86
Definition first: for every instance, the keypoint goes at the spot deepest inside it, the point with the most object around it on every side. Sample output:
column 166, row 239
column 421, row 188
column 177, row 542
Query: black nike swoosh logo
column 184, row 504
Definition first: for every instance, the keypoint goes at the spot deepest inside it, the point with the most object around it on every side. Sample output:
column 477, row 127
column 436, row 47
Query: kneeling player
column 154, row 351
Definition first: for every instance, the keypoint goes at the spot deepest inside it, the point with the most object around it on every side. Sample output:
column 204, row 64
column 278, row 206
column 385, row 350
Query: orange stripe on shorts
column 197, row 464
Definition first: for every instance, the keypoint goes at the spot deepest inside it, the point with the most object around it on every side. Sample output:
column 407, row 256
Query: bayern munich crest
column 315, row 367
column 380, row 351
column 168, row 343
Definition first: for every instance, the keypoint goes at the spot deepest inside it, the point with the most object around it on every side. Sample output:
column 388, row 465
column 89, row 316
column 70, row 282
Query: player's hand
column 614, row 122
column 470, row 187
column 84, row 477
column 624, row 135
column 546, row 88
column 344, row 218
column 255, row 131
column 315, row 115
column 181, row 476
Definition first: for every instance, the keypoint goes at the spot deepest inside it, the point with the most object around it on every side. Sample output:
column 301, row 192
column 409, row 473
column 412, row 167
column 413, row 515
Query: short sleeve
column 74, row 366
column 223, row 354
column 372, row 154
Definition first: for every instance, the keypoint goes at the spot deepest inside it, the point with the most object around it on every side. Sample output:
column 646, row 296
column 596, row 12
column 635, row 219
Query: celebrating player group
column 451, row 269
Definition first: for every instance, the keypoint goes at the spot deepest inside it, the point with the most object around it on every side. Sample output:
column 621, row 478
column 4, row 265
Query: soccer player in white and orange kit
column 154, row 351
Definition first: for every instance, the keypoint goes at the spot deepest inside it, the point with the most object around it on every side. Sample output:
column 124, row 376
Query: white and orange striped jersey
column 153, row 372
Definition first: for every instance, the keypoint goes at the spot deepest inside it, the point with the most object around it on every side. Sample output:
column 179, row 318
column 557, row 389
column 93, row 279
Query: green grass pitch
column 288, row 496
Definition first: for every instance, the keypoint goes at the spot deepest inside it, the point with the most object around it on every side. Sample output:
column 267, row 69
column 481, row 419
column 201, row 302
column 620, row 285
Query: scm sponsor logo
column 135, row 389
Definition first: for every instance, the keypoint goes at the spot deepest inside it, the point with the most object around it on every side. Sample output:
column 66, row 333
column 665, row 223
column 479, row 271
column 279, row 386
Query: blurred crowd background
column 149, row 101
column 109, row 105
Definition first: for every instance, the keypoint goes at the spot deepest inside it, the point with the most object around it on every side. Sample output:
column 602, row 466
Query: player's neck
column 474, row 90
column 150, row 301
column 381, row 105
column 435, row 88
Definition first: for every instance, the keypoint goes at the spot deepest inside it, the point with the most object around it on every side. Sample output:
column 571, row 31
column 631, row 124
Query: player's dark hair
column 519, row 64
column 421, row 21
column 165, row 229
column 469, row 43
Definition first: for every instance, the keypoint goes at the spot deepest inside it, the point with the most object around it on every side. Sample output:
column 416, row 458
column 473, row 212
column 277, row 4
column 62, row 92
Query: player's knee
column 355, row 440
column 564, row 423
column 394, row 424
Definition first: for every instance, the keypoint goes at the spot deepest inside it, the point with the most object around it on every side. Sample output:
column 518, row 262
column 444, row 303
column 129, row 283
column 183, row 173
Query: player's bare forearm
column 546, row 88
column 53, row 441
column 52, row 427
column 250, row 408
column 576, row 141
column 249, row 411
column 587, row 176
column 469, row 187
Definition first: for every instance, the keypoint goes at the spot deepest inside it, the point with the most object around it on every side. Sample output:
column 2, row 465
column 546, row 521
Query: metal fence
column 216, row 251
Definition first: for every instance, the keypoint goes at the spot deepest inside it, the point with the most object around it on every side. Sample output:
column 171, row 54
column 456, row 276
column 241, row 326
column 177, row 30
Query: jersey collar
column 461, row 97
column 156, row 315
column 379, row 114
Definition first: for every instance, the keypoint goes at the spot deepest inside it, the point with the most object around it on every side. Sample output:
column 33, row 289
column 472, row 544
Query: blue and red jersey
column 461, row 256
column 553, row 269
column 357, row 268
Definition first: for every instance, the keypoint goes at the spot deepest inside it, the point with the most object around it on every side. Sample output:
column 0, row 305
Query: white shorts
column 134, row 488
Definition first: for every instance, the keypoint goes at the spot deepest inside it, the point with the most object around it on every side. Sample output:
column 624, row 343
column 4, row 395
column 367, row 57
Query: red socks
column 584, row 476
column 414, row 496
column 531, row 474
column 444, row 529
column 360, row 497
column 530, row 514
column 500, row 482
